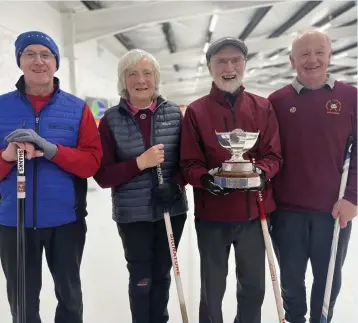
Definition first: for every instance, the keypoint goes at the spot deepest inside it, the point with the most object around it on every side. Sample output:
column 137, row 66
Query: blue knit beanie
column 38, row 38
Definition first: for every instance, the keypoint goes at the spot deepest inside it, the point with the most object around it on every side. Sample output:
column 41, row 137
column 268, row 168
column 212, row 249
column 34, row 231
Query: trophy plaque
column 237, row 173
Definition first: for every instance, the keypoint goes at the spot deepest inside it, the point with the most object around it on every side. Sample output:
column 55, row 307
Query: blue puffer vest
column 132, row 201
column 53, row 196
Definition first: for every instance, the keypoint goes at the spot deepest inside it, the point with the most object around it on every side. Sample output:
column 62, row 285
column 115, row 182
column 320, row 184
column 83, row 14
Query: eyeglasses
column 234, row 60
column 44, row 56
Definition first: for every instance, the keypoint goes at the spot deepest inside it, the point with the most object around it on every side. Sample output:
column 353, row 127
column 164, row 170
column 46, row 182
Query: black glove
column 166, row 194
column 262, row 175
column 207, row 181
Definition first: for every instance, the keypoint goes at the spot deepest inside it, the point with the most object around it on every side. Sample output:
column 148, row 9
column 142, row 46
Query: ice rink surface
column 105, row 277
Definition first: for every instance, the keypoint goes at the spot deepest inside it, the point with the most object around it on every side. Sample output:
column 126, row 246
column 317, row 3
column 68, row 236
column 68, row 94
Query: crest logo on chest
column 333, row 107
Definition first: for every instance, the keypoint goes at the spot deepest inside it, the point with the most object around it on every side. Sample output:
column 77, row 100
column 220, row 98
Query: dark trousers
column 298, row 237
column 63, row 249
column 149, row 262
column 214, row 242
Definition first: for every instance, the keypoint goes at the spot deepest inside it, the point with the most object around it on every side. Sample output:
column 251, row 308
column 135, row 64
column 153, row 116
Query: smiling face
column 311, row 55
column 227, row 69
column 38, row 65
column 140, row 82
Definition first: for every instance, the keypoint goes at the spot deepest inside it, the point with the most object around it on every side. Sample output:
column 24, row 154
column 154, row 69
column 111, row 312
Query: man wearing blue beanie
column 63, row 148
column 39, row 38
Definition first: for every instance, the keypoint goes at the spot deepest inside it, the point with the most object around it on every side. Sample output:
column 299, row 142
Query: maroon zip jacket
column 200, row 151
column 314, row 127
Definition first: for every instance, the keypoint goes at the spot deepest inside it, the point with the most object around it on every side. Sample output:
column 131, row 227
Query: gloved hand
column 262, row 175
column 208, row 183
column 166, row 194
column 29, row 135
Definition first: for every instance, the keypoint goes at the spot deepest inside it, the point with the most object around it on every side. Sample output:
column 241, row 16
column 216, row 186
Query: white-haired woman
column 138, row 134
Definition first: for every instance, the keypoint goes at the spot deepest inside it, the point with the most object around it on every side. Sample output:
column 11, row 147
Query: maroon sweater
column 314, row 127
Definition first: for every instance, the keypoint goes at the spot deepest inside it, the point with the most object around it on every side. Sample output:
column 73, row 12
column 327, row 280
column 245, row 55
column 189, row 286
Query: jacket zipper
column 154, row 172
column 233, row 116
column 152, row 123
column 37, row 130
column 226, row 124
column 34, row 210
column 248, row 208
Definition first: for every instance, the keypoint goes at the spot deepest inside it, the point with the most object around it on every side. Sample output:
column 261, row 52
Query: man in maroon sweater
column 316, row 115
column 222, row 217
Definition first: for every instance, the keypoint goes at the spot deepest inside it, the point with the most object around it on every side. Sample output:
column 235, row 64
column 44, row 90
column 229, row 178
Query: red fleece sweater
column 314, row 127
column 82, row 161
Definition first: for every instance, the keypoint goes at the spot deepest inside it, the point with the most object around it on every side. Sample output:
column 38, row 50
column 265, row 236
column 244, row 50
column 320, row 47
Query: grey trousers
column 214, row 242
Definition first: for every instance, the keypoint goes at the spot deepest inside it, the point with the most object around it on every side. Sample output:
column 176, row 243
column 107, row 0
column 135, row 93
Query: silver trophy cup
column 237, row 172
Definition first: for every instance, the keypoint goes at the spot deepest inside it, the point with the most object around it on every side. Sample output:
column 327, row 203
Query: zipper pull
column 37, row 120
column 24, row 124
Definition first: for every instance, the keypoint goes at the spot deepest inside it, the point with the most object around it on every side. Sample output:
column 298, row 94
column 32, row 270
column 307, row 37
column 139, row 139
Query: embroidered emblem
column 61, row 126
column 333, row 107
column 143, row 116
column 293, row 110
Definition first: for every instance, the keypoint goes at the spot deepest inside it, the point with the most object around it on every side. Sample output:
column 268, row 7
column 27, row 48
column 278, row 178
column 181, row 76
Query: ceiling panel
column 264, row 70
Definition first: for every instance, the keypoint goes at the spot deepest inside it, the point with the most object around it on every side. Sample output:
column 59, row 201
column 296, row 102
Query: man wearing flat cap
column 225, row 217
column 59, row 135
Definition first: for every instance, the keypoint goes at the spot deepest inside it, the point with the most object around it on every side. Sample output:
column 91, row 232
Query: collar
column 134, row 110
column 40, row 97
column 223, row 96
column 20, row 85
column 298, row 86
column 123, row 104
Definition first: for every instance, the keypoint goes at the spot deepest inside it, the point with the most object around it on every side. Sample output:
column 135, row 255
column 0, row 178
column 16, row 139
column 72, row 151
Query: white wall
column 96, row 70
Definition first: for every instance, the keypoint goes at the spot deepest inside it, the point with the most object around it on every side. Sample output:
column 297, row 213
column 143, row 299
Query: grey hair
column 127, row 62
column 311, row 31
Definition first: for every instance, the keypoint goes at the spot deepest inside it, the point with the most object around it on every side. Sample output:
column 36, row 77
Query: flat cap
column 226, row 41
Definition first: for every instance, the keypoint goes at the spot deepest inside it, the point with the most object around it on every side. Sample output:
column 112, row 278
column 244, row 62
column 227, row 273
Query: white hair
column 311, row 31
column 127, row 62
